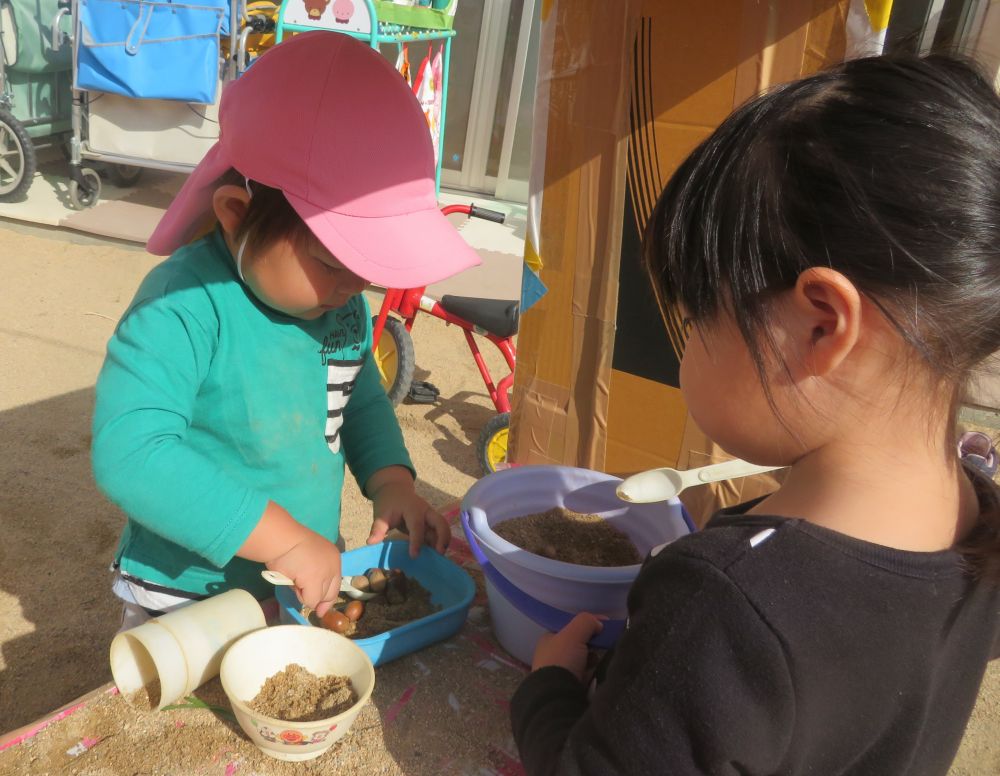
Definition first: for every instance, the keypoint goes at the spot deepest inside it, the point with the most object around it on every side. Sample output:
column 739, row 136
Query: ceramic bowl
column 261, row 654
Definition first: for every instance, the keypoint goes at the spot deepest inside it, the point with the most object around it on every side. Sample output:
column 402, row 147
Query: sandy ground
column 59, row 300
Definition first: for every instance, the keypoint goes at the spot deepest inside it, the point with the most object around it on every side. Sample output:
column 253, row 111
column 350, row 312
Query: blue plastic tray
column 450, row 587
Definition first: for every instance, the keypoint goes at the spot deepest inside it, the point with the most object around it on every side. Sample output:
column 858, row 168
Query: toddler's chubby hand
column 283, row 544
column 313, row 563
column 568, row 648
column 395, row 504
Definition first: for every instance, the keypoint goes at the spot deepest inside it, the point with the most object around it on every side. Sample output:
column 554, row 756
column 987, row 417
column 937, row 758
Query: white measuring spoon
column 662, row 484
column 276, row 578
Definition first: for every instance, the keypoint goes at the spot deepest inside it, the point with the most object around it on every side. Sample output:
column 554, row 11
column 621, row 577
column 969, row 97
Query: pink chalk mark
column 504, row 763
column 232, row 768
column 459, row 551
column 34, row 731
column 397, row 707
column 83, row 745
column 487, row 646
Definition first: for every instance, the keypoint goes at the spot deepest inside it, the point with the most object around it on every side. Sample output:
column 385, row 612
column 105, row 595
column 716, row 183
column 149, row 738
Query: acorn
column 360, row 583
column 336, row 621
column 376, row 580
column 354, row 610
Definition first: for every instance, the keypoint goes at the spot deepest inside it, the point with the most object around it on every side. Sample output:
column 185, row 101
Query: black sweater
column 809, row 653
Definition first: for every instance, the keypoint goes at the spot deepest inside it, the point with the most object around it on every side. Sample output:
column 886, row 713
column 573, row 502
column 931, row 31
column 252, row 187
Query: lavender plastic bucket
column 518, row 619
column 566, row 587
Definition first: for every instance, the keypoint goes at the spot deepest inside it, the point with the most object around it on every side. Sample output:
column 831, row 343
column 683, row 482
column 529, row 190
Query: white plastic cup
column 183, row 649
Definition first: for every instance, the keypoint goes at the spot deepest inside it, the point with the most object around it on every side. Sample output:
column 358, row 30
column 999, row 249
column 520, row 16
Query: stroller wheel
column 124, row 175
column 17, row 158
column 86, row 195
column 395, row 360
column 492, row 445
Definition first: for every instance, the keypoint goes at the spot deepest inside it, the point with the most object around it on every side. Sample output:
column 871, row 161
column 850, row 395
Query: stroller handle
column 58, row 35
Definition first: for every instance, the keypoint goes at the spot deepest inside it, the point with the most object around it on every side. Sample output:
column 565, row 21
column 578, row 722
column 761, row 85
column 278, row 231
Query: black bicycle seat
column 497, row 316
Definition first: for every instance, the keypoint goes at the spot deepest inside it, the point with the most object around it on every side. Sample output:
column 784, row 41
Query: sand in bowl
column 296, row 695
column 571, row 537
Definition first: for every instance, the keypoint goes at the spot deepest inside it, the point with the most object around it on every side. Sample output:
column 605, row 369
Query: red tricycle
column 494, row 319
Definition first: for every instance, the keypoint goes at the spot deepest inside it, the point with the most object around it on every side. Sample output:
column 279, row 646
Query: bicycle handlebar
column 487, row 215
column 474, row 211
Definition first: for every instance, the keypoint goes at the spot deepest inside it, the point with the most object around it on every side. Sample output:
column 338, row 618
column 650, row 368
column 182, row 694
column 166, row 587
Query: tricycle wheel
column 394, row 359
column 492, row 445
column 85, row 195
column 17, row 158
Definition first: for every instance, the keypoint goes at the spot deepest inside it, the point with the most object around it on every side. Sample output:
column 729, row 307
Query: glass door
column 923, row 26
column 508, row 161
column 491, row 91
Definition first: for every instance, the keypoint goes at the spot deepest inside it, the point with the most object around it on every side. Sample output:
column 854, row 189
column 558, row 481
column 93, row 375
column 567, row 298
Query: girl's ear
column 828, row 312
column 230, row 204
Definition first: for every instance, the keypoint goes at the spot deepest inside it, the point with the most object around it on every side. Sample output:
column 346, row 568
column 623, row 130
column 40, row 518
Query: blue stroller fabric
column 163, row 50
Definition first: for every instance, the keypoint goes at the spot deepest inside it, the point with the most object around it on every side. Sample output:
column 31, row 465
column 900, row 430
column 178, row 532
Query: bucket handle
column 546, row 616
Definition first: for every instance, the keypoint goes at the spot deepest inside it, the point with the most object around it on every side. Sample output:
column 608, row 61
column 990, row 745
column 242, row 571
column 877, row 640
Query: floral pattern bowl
column 261, row 654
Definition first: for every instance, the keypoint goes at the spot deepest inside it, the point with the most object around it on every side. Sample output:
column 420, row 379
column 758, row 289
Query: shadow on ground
column 50, row 509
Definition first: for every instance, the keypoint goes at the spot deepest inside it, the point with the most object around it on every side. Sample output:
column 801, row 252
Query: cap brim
column 409, row 250
column 193, row 202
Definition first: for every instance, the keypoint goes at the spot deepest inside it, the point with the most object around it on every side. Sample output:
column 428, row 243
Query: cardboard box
column 626, row 91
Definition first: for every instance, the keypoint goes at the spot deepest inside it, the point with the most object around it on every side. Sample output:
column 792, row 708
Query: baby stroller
column 35, row 86
column 147, row 75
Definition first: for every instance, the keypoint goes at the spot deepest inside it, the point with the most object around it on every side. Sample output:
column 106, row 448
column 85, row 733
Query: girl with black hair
column 834, row 250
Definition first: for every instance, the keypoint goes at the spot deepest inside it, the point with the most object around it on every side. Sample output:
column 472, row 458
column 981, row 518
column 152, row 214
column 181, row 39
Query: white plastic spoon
column 276, row 578
column 662, row 484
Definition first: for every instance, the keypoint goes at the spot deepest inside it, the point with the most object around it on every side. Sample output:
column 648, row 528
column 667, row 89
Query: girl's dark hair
column 269, row 215
column 886, row 169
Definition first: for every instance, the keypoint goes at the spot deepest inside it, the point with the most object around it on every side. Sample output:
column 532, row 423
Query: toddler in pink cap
column 240, row 380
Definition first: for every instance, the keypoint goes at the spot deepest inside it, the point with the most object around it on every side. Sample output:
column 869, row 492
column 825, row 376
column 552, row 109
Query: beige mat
column 122, row 213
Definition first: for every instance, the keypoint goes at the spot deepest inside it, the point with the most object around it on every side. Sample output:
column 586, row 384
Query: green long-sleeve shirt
column 210, row 404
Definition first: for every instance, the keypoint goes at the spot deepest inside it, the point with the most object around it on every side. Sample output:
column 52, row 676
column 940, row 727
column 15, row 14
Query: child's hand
column 313, row 564
column 283, row 544
column 568, row 647
column 396, row 504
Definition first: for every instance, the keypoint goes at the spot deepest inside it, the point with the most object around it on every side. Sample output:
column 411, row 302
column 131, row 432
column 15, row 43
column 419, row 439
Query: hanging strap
column 133, row 41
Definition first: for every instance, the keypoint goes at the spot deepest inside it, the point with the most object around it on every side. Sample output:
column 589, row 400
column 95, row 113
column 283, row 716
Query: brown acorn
column 336, row 621
column 360, row 583
column 376, row 579
column 354, row 610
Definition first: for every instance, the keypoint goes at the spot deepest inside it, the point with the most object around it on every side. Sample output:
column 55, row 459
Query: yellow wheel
column 492, row 445
column 394, row 359
column 387, row 361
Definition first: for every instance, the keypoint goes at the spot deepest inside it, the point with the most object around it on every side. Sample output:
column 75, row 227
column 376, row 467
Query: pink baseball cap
column 329, row 121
